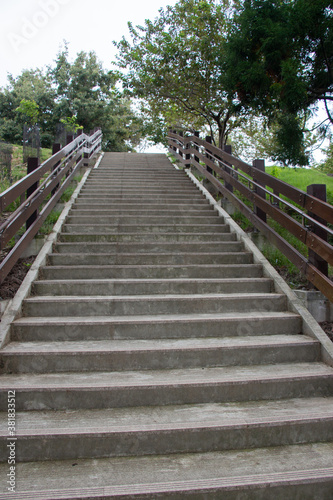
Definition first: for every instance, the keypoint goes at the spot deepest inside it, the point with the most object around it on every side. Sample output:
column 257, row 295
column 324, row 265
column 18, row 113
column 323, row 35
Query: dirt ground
column 14, row 279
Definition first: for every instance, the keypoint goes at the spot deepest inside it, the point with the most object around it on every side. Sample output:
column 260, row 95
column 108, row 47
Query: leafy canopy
column 278, row 62
column 174, row 65
column 30, row 109
column 81, row 91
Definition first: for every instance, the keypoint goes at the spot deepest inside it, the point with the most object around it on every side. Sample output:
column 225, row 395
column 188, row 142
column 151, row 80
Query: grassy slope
column 19, row 169
column 299, row 178
column 303, row 177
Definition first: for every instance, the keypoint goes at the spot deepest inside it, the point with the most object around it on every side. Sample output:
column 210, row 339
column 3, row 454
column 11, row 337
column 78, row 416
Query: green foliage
column 70, row 124
column 81, row 89
column 252, row 139
column 287, row 269
column 327, row 166
column 174, row 65
column 243, row 222
column 90, row 94
column 49, row 223
column 303, row 177
column 279, row 63
column 30, row 110
column 30, row 92
column 19, row 170
column 275, row 172
column 67, row 194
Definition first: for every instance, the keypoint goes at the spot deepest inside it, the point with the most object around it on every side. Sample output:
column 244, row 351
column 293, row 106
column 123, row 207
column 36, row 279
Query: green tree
column 82, row 89
column 327, row 166
column 30, row 110
column 90, row 94
column 278, row 62
column 173, row 64
column 32, row 86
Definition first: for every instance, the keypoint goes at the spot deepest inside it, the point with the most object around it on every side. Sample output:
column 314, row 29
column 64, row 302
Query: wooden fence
column 38, row 193
column 310, row 220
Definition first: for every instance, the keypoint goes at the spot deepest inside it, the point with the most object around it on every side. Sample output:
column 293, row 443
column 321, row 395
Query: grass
column 49, row 222
column 19, row 169
column 67, row 194
column 299, row 178
column 303, row 177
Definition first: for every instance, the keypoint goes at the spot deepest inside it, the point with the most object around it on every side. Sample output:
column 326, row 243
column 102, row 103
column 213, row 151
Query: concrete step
column 274, row 473
column 143, row 219
column 135, row 201
column 146, row 286
column 179, row 258
column 161, row 197
column 152, row 304
column 163, row 186
column 174, row 429
column 151, row 247
column 167, row 354
column 196, row 325
column 94, row 390
column 147, row 237
column 148, row 271
column 145, row 228
column 141, row 211
column 149, row 204
column 173, row 178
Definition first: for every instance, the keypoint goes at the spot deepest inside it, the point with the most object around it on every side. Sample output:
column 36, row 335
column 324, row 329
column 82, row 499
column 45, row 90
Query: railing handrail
column 61, row 165
column 20, row 187
column 191, row 149
column 305, row 200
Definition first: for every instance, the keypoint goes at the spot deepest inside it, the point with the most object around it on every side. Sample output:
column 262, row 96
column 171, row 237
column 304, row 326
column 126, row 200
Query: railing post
column 181, row 134
column 260, row 165
column 55, row 149
column 188, row 156
column 319, row 191
column 174, row 147
column 32, row 165
column 86, row 159
column 209, row 140
column 196, row 133
column 228, row 149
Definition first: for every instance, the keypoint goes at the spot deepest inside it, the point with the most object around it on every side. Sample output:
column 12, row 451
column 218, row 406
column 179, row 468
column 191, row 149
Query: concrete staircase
column 154, row 358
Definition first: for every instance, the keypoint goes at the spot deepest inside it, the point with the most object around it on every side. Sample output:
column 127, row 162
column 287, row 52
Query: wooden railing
column 307, row 220
column 38, row 193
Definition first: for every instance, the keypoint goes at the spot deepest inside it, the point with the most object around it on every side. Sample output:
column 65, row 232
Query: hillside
column 303, row 177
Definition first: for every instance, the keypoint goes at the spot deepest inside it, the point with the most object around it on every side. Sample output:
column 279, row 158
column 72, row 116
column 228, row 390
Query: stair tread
column 108, row 346
column 160, row 378
column 209, row 415
column 156, row 318
column 156, row 266
column 171, row 296
column 127, row 478
column 154, row 281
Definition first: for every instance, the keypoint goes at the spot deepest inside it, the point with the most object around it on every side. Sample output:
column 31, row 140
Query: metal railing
column 307, row 220
column 39, row 192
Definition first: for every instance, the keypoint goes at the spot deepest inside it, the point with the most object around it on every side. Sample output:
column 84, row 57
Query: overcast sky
column 31, row 31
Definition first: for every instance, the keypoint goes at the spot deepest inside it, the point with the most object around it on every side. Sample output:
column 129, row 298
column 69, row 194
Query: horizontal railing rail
column 50, row 179
column 265, row 192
